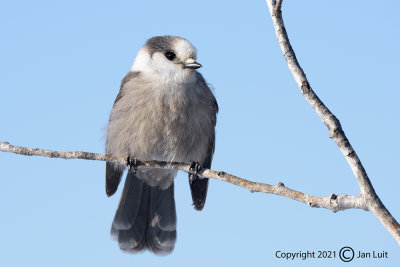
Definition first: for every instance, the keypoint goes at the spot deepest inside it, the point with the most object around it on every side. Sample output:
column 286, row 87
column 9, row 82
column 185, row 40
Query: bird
column 165, row 110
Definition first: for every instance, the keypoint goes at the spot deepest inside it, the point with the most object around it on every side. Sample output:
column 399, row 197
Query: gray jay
column 163, row 111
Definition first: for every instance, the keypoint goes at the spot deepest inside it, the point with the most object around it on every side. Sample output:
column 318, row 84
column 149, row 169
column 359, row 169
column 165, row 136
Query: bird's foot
column 132, row 164
column 195, row 168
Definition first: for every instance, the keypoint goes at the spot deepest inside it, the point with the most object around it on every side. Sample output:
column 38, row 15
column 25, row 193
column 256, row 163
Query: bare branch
column 333, row 202
column 335, row 129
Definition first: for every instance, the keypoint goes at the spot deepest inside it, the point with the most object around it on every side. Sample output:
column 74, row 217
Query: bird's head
column 169, row 57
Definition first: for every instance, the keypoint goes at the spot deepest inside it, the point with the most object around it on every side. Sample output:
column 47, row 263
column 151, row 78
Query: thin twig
column 333, row 202
column 335, row 129
column 278, row 6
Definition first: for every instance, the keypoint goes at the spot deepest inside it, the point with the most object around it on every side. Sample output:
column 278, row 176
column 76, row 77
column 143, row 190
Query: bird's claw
column 132, row 164
column 195, row 168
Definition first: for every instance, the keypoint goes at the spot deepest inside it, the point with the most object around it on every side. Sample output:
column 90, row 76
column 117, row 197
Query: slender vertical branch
column 332, row 123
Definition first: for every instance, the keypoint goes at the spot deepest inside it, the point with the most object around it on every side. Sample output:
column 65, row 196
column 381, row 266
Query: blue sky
column 60, row 69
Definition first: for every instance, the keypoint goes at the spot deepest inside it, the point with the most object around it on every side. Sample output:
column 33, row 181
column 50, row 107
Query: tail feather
column 163, row 210
column 161, row 231
column 130, row 202
column 133, row 239
column 145, row 218
column 159, row 241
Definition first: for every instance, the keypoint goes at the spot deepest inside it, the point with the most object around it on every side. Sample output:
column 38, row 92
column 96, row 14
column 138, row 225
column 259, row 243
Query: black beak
column 193, row 65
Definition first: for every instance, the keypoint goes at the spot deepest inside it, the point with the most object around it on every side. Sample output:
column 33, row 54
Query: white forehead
column 185, row 49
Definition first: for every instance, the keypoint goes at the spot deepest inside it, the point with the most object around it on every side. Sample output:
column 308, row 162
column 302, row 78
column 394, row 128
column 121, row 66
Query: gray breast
column 162, row 123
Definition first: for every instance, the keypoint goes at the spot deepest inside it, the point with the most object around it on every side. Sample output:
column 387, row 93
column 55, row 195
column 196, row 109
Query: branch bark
column 333, row 202
column 367, row 200
column 367, row 192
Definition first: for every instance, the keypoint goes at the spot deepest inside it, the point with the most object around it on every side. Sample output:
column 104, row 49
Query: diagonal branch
column 336, row 132
column 367, row 200
column 333, row 202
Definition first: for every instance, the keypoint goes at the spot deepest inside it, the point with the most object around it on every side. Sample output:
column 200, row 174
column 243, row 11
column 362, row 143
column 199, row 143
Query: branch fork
column 367, row 200
column 334, row 204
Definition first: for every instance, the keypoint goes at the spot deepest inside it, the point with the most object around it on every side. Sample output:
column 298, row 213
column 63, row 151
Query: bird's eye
column 170, row 55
